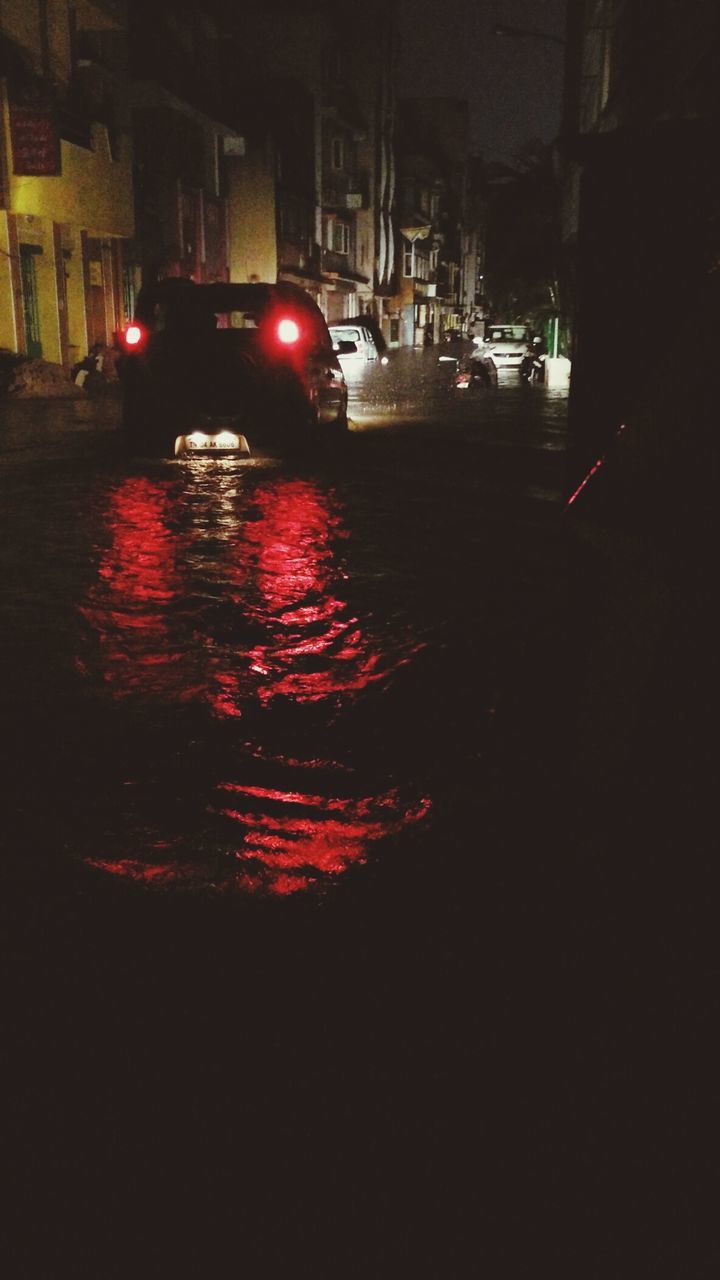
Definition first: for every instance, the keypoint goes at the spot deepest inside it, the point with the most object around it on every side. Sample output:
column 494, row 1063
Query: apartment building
column 184, row 133
column 220, row 142
column 66, row 210
column 439, row 220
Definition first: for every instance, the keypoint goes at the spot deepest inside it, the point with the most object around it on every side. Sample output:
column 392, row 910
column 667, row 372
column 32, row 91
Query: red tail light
column 133, row 335
column 288, row 331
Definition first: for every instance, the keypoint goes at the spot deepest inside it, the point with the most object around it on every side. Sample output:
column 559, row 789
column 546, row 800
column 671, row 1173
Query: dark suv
column 216, row 368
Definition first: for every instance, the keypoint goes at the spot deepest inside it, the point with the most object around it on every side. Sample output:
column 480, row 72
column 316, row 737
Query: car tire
column 332, row 438
column 143, row 422
column 134, row 422
column 339, row 429
column 300, row 430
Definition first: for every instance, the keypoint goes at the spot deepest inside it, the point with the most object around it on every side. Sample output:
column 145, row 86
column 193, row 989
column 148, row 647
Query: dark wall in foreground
column 646, row 282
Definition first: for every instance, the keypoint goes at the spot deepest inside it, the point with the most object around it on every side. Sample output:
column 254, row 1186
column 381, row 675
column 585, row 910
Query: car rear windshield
column 507, row 333
column 198, row 309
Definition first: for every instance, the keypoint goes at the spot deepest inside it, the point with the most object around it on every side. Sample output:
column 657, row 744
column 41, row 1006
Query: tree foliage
column 523, row 237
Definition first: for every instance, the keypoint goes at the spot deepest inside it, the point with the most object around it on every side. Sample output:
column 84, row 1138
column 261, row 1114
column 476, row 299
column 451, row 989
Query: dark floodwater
column 252, row 678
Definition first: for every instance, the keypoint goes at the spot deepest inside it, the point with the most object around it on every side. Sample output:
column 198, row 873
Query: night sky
column 513, row 85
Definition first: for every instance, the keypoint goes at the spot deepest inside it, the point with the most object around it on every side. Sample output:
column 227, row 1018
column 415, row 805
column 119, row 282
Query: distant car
column 220, row 368
column 505, row 344
column 366, row 349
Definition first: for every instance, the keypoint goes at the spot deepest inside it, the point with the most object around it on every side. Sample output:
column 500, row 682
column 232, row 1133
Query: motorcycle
column 477, row 375
column 470, row 374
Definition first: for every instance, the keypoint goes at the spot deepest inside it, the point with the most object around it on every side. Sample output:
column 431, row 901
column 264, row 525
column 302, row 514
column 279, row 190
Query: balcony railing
column 345, row 200
column 346, row 191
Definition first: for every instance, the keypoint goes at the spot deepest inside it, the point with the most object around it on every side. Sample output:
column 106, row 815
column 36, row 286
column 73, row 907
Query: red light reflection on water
column 279, row 842
column 139, row 578
column 281, row 852
column 286, row 553
column 285, row 562
column 292, row 539
column 276, row 561
column 271, row 554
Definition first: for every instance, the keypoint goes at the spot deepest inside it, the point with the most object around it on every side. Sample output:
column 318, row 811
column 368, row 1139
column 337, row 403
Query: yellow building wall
column 93, row 191
column 252, row 242
column 78, row 342
column 8, row 336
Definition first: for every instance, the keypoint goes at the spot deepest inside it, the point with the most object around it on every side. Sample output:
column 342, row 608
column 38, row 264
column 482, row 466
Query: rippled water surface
column 226, row 593
column 250, row 677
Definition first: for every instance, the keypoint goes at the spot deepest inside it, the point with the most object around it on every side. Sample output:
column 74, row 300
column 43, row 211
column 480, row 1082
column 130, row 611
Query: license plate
column 222, row 441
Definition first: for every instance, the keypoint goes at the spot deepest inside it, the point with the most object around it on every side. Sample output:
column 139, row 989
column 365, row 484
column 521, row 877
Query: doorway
column 95, row 293
column 31, row 309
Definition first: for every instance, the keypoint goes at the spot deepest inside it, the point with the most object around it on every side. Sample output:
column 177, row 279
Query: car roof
column 368, row 323
column 187, row 296
column 346, row 329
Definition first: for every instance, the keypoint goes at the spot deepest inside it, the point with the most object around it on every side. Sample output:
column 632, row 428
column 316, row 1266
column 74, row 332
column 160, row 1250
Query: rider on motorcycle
column 533, row 365
column 478, row 363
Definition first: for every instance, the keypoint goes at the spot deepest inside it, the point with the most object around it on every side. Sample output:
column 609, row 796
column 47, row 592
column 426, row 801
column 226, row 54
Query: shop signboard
column 35, row 142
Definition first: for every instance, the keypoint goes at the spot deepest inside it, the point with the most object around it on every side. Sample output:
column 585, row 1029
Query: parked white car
column 505, row 344
column 366, row 349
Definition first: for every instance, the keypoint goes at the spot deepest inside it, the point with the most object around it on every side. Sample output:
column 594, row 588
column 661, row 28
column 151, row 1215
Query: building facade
column 220, row 143
column 184, row 132
column 66, row 210
column 440, row 216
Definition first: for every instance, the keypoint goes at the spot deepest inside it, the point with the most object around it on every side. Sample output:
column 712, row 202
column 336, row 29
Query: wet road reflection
column 225, row 589
column 252, row 678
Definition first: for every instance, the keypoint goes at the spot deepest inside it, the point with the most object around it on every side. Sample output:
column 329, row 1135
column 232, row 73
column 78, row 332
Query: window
column 338, row 236
column 30, row 299
column 338, row 153
column 421, row 266
column 128, row 288
column 409, row 261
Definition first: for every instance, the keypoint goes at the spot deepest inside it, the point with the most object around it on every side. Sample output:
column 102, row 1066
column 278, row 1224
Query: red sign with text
column 35, row 143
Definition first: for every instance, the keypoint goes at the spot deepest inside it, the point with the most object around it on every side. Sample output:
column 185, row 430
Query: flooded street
column 334, row 903
column 249, row 678
column 284, row 771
